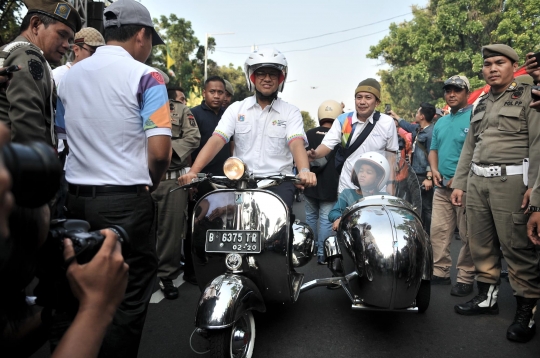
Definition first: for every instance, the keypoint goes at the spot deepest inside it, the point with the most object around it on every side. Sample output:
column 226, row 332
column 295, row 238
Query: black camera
column 35, row 172
column 85, row 243
column 534, row 96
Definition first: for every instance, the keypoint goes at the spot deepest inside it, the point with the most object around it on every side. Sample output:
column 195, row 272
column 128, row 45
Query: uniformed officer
column 27, row 105
column 172, row 207
column 504, row 135
column 229, row 93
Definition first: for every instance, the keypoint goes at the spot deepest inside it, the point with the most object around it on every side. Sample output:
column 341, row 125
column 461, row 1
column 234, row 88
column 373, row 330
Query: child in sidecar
column 370, row 175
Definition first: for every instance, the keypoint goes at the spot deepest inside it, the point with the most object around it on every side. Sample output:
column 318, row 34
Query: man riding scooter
column 268, row 132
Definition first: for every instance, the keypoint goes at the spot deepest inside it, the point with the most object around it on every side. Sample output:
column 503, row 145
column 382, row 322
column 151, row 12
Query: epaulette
column 9, row 48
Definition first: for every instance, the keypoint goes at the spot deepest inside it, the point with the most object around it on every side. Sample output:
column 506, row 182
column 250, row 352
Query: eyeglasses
column 90, row 51
column 262, row 75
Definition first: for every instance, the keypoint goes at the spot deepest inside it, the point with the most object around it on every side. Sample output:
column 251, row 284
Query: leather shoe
column 523, row 328
column 169, row 291
column 485, row 302
column 436, row 280
column 461, row 289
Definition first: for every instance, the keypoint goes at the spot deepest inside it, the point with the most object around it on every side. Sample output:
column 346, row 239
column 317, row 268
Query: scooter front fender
column 225, row 300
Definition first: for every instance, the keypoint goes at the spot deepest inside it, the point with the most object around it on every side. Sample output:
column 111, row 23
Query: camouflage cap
column 89, row 36
column 500, row 50
column 458, row 81
column 229, row 87
column 58, row 10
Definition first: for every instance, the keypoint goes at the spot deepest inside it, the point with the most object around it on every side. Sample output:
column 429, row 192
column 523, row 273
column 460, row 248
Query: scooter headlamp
column 234, row 168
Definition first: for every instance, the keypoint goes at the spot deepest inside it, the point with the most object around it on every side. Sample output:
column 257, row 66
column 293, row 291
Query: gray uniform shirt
column 185, row 135
column 503, row 130
column 26, row 105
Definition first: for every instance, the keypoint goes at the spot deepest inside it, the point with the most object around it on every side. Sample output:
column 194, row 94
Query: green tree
column 445, row 39
column 184, row 49
column 10, row 20
column 309, row 123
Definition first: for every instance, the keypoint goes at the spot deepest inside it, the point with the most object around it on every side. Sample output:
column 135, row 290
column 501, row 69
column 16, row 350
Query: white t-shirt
column 108, row 105
column 262, row 136
column 382, row 137
column 59, row 72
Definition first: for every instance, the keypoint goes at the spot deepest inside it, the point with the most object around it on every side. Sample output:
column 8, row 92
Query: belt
column 496, row 170
column 175, row 174
column 89, row 190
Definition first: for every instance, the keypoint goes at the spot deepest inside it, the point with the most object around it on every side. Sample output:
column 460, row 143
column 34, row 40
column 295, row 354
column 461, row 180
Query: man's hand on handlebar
column 307, row 179
column 187, row 178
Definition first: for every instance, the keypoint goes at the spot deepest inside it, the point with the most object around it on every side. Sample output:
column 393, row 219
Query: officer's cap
column 458, row 81
column 500, row 50
column 229, row 87
column 58, row 10
column 130, row 12
column 89, row 36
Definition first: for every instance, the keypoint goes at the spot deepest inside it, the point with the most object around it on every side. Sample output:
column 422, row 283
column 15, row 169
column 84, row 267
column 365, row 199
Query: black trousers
column 427, row 204
column 136, row 214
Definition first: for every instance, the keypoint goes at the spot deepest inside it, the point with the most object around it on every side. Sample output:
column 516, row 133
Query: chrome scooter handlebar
column 222, row 181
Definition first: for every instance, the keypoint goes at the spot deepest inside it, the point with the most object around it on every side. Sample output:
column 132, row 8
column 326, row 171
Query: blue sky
column 334, row 70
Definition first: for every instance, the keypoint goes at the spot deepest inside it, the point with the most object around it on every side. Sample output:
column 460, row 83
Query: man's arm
column 28, row 94
column 301, row 159
column 99, row 286
column 409, row 127
column 159, row 157
column 321, row 151
column 433, row 159
column 330, row 140
column 191, row 137
column 209, row 151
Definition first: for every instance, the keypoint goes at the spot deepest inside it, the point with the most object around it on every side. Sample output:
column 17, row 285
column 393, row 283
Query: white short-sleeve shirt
column 108, row 105
column 382, row 137
column 262, row 136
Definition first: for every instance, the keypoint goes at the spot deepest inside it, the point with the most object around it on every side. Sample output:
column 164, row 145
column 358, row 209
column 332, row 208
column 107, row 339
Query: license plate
column 233, row 241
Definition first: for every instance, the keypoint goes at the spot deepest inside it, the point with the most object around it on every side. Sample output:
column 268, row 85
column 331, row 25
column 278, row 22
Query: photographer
column 99, row 286
column 533, row 69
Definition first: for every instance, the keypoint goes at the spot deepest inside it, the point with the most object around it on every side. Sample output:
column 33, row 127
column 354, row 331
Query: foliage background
column 445, row 39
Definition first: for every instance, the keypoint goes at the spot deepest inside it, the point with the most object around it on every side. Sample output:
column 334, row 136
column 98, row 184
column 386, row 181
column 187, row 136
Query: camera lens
column 35, row 171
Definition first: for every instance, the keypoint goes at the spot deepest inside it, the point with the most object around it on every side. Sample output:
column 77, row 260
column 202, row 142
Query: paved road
column 322, row 324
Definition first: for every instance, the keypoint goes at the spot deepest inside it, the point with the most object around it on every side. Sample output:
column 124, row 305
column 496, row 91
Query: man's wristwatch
column 533, row 209
column 304, row 170
column 429, row 177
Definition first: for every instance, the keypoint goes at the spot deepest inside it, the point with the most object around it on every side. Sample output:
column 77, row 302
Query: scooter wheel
column 236, row 341
column 423, row 296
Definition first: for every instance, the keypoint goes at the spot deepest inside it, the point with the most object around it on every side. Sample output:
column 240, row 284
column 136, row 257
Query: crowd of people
column 127, row 140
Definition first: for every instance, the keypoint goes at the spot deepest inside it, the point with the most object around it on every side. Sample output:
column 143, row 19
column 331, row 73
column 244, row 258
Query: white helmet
column 265, row 57
column 378, row 161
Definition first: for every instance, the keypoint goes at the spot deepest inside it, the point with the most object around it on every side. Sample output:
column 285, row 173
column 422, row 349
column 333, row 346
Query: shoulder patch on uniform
column 158, row 77
column 36, row 69
column 192, row 120
column 35, row 53
column 518, row 93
